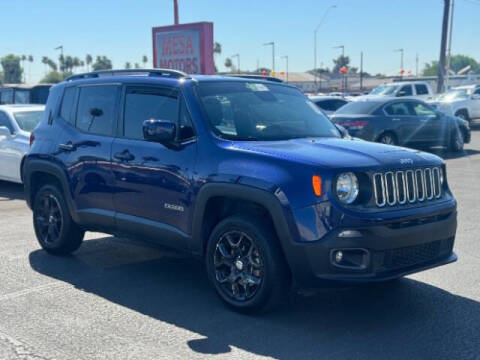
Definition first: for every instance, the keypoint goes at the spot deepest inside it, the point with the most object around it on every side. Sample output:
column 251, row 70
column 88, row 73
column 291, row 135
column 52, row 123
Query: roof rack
column 257, row 77
column 149, row 72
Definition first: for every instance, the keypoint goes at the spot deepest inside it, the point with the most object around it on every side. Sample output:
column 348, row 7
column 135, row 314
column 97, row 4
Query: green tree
column 229, row 64
column 457, row 63
column 53, row 77
column 144, row 60
column 128, row 65
column 12, row 71
column 102, row 63
column 137, row 66
column 340, row 62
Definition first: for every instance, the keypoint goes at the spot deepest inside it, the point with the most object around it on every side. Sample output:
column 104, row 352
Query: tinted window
column 66, row 112
column 96, row 109
column 406, row 91
column 5, row 121
column 477, row 91
column 328, row 105
column 421, row 89
column 145, row 104
column 260, row 111
column 22, row 97
column 359, row 107
column 6, row 96
column 398, row 109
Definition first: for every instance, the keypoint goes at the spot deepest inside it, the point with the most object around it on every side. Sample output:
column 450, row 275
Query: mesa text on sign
column 179, row 50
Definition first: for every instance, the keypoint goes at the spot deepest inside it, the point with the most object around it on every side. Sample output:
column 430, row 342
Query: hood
column 340, row 153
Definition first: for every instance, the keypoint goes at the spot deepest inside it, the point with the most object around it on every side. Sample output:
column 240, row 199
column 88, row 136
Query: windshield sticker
column 314, row 107
column 257, row 87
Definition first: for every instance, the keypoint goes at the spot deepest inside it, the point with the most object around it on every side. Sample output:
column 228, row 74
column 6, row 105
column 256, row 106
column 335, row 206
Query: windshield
column 384, row 90
column 261, row 111
column 455, row 94
column 28, row 120
column 359, row 107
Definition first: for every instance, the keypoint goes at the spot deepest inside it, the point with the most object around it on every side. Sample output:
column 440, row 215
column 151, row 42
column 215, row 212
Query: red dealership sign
column 185, row 47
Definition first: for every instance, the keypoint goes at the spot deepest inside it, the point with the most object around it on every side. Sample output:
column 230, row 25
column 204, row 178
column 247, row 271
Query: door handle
column 395, row 119
column 125, row 155
column 67, row 147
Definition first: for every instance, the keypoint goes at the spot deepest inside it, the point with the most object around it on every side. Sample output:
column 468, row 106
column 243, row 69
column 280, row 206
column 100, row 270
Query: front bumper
column 380, row 249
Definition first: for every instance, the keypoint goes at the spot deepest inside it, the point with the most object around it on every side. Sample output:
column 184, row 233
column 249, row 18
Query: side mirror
column 343, row 132
column 4, row 132
column 160, row 131
column 476, row 97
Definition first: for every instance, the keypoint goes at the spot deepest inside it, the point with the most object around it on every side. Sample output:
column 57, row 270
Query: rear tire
column 388, row 138
column 246, row 265
column 55, row 230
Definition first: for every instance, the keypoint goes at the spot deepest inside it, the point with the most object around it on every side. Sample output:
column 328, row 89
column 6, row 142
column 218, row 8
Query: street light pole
column 315, row 40
column 286, row 59
column 443, row 48
column 450, row 43
column 272, row 43
column 401, row 60
column 238, row 61
column 61, row 54
column 175, row 12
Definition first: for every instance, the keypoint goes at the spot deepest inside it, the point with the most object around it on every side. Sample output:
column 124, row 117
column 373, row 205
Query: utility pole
column 238, row 61
column 416, row 65
column 286, row 59
column 443, row 48
column 361, row 70
column 315, row 41
column 175, row 12
column 258, row 65
column 450, row 43
column 272, row 43
column 344, row 82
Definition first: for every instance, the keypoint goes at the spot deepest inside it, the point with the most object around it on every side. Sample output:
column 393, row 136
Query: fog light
column 338, row 256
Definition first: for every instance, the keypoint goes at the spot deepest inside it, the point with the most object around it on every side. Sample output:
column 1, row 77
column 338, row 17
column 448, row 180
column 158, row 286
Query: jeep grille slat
column 407, row 186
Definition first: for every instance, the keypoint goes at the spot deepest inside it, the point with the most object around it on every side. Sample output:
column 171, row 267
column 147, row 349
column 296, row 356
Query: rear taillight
column 357, row 125
column 32, row 139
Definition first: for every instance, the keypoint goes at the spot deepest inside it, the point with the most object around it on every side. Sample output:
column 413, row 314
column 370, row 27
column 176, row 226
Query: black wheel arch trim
column 39, row 165
column 275, row 202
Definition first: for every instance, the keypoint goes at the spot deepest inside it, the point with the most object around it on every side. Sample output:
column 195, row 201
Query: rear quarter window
column 66, row 109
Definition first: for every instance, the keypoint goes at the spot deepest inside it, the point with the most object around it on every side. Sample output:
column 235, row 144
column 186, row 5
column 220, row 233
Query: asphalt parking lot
column 116, row 299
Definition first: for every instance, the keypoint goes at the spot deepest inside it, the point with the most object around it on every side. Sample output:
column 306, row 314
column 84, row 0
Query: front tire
column 457, row 141
column 55, row 230
column 246, row 265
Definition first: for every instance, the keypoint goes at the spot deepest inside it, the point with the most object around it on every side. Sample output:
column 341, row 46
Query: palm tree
column 22, row 59
column 75, row 62
column 61, row 62
column 229, row 64
column 45, row 62
column 217, row 48
column 144, row 60
column 137, row 66
column 30, row 60
column 128, row 65
column 88, row 61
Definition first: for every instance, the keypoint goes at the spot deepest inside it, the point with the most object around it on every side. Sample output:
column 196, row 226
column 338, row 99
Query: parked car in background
column 403, row 122
column 462, row 101
column 24, row 94
column 16, row 124
column 329, row 104
column 409, row 89
column 247, row 174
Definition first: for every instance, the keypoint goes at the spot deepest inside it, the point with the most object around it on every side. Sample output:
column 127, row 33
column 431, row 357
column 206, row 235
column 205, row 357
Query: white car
column 419, row 90
column 16, row 124
column 329, row 104
column 462, row 101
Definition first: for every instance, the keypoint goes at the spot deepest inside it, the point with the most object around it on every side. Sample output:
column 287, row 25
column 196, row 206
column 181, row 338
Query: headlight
column 347, row 187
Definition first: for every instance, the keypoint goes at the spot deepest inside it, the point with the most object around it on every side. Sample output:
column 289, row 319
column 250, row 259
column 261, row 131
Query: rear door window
column 68, row 101
column 96, row 109
column 6, row 96
column 406, row 90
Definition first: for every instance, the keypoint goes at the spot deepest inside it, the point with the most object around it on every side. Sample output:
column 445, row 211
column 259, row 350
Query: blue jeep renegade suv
column 247, row 174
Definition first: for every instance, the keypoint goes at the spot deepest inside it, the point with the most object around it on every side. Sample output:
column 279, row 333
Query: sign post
column 184, row 47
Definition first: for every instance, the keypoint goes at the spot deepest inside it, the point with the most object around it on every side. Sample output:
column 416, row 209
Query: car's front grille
column 401, row 187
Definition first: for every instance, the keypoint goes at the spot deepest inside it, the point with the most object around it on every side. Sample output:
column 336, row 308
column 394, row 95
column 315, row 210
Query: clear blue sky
column 121, row 29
